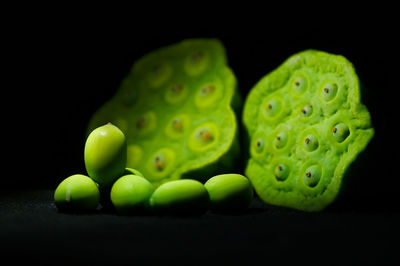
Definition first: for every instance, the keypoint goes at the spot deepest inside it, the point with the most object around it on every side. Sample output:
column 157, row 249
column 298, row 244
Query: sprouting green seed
column 131, row 193
column 340, row 132
column 229, row 192
column 105, row 154
column 77, row 193
column 185, row 196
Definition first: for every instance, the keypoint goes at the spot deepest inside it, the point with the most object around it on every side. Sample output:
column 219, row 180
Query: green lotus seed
column 131, row 193
column 180, row 197
column 182, row 97
column 229, row 192
column 307, row 110
column 315, row 98
column 281, row 140
column 310, row 142
column 259, row 145
column 312, row 175
column 340, row 132
column 281, row 172
column 329, row 91
column 77, row 193
column 105, row 154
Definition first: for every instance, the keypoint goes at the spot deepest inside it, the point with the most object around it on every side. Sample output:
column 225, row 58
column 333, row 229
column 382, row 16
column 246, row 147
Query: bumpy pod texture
column 176, row 108
column 306, row 125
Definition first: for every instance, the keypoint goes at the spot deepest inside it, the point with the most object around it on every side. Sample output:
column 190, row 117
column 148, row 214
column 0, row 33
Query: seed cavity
column 159, row 162
column 329, row 91
column 340, row 132
column 272, row 107
column 312, row 175
column 203, row 137
column 259, row 145
column 206, row 90
column 175, row 94
column 159, row 74
column 196, row 62
column 146, row 123
column 310, row 142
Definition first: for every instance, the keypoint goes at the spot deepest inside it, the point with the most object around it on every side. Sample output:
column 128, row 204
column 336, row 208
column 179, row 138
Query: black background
column 65, row 66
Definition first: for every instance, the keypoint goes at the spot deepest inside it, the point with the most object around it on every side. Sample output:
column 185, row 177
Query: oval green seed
column 131, row 193
column 312, row 175
column 229, row 192
column 77, row 193
column 281, row 140
column 185, row 196
column 281, row 172
column 329, row 91
column 310, row 142
column 105, row 154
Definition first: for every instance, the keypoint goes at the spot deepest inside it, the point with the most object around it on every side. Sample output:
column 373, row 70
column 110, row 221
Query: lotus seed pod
column 185, row 196
column 177, row 109
column 105, row 154
column 306, row 125
column 229, row 192
column 130, row 194
column 77, row 193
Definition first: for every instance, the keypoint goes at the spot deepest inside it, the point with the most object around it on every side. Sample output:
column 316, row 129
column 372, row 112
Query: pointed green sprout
column 177, row 109
column 306, row 126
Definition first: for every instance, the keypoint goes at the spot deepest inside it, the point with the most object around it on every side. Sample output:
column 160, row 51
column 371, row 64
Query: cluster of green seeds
column 130, row 192
column 306, row 125
column 176, row 107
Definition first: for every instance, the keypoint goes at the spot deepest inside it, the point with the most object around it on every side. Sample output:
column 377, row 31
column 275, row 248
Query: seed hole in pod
column 176, row 93
column 196, row 62
column 310, row 142
column 206, row 90
column 307, row 110
column 300, row 84
column 281, row 140
column 159, row 74
column 204, row 135
column 281, row 172
column 177, row 124
column 146, row 122
column 159, row 162
column 329, row 91
column 312, row 175
column 259, row 145
column 340, row 132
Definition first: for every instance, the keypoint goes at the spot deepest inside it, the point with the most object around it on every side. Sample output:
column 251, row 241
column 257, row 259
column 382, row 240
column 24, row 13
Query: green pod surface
column 229, row 192
column 305, row 126
column 185, row 196
column 77, row 193
column 105, row 154
column 177, row 109
column 130, row 194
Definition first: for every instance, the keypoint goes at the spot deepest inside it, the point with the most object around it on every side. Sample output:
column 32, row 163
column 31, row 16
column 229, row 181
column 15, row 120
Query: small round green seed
column 131, row 193
column 310, row 142
column 77, row 193
column 281, row 172
column 229, row 192
column 312, row 175
column 184, row 196
column 281, row 140
column 329, row 91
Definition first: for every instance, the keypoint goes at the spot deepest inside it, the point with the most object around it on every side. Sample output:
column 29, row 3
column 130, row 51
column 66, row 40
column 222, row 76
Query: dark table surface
column 32, row 228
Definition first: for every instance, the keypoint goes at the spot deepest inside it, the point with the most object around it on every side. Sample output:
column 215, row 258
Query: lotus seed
column 311, row 142
column 340, row 132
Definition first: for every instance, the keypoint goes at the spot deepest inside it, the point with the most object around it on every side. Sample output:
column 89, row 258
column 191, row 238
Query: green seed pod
column 105, row 154
column 177, row 109
column 77, row 193
column 229, row 192
column 314, row 98
column 131, row 193
column 185, row 196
